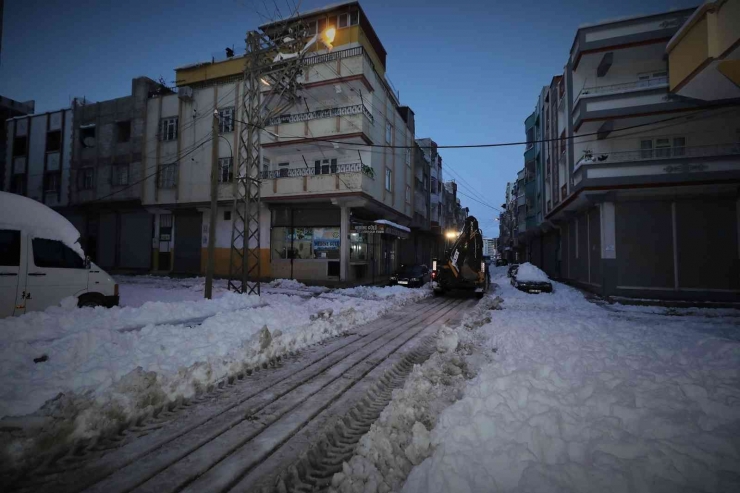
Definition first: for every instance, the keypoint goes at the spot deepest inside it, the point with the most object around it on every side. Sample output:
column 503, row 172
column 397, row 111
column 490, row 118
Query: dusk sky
column 471, row 71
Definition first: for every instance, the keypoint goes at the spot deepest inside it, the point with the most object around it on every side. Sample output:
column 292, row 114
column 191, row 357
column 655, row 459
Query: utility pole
column 273, row 62
column 211, row 263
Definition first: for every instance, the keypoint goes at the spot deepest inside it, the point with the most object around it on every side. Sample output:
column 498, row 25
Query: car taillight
column 434, row 274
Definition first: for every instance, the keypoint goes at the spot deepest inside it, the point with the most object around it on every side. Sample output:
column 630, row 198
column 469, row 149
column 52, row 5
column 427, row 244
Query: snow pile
column 387, row 292
column 103, row 366
column 400, row 438
column 38, row 220
column 579, row 399
column 527, row 272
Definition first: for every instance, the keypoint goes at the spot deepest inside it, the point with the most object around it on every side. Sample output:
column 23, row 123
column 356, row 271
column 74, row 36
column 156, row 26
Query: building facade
column 9, row 109
column 38, row 156
column 320, row 199
column 639, row 192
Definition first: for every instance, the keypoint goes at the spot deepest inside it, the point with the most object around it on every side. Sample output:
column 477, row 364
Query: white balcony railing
column 625, row 86
column 324, row 169
column 325, row 113
column 660, row 153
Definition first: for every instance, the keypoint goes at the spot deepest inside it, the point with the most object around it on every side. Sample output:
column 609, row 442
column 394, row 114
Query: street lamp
column 451, row 235
column 211, row 259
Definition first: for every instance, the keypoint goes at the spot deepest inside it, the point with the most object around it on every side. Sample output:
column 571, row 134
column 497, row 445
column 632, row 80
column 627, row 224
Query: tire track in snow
column 138, row 461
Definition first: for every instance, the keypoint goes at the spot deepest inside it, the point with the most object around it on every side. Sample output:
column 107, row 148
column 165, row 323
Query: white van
column 41, row 261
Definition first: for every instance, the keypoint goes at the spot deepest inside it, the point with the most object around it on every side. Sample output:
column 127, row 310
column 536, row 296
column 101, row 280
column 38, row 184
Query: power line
column 502, row 144
column 476, row 200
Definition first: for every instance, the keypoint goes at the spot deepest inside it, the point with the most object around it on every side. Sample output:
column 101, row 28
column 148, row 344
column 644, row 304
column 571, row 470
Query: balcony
column 638, row 85
column 596, row 104
column 354, row 109
column 667, row 153
column 326, row 169
column 563, row 192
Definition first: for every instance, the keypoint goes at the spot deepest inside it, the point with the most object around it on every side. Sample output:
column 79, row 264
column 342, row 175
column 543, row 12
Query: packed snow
column 579, row 398
column 38, row 220
column 128, row 357
column 527, row 272
column 561, row 394
column 400, row 438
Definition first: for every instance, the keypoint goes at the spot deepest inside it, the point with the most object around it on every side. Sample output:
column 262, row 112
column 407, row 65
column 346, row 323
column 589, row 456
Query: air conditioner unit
column 185, row 93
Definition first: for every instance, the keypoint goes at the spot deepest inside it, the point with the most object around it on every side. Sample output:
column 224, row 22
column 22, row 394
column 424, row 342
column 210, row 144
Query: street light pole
column 211, row 262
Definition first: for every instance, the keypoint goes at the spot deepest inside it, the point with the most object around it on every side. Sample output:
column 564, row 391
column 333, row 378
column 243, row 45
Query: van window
column 53, row 253
column 10, row 248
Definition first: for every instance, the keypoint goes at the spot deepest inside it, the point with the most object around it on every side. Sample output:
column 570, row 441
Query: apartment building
column 9, row 109
column 86, row 161
column 38, row 155
column 639, row 192
column 107, row 176
column 320, row 200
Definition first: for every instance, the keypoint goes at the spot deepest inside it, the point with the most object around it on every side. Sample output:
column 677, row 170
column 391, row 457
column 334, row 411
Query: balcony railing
column 625, row 86
column 324, row 169
column 326, row 113
column 333, row 55
column 660, row 153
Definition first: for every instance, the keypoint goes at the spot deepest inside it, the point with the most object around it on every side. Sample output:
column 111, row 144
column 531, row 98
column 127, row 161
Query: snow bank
column 581, row 399
column 38, row 220
column 527, row 272
column 125, row 359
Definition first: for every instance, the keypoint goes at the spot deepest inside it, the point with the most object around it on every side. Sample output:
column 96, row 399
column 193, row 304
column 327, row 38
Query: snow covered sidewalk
column 97, row 373
column 580, row 398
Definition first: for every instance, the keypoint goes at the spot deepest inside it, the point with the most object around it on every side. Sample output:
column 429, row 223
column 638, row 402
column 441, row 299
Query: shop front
column 305, row 243
column 374, row 251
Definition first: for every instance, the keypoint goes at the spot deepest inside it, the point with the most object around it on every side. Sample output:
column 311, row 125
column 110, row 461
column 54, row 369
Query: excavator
column 463, row 266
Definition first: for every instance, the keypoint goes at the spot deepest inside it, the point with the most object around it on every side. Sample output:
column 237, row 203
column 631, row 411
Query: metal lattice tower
column 273, row 61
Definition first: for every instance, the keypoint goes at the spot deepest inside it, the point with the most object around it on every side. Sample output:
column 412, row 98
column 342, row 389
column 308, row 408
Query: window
column 225, row 170
column 679, row 146
column 646, row 149
column 19, row 146
column 325, row 166
column 349, row 19
column 86, row 180
column 226, row 120
column 227, row 215
column 426, row 182
column 123, row 131
column 305, row 243
column 168, row 129
column 408, row 157
column 53, row 141
column 51, row 182
column 530, row 137
column 55, row 254
column 18, row 184
column 388, row 133
column 119, row 175
column 408, row 194
column 388, row 180
column 167, row 177
column 434, row 185
column 10, row 248
column 662, row 147
column 87, row 135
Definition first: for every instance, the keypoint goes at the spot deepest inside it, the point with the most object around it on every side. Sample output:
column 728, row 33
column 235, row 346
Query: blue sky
column 471, row 71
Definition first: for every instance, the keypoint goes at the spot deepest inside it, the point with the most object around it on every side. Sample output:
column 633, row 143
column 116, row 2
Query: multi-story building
column 320, row 200
column 86, row 161
column 39, row 150
column 640, row 196
column 108, row 171
column 9, row 109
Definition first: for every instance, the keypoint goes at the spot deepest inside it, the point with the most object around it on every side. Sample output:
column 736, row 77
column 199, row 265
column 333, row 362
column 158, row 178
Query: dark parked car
column 500, row 262
column 511, row 271
column 413, row 276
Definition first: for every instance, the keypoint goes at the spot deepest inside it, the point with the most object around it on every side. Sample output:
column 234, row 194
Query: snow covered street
column 98, row 368
column 581, row 397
